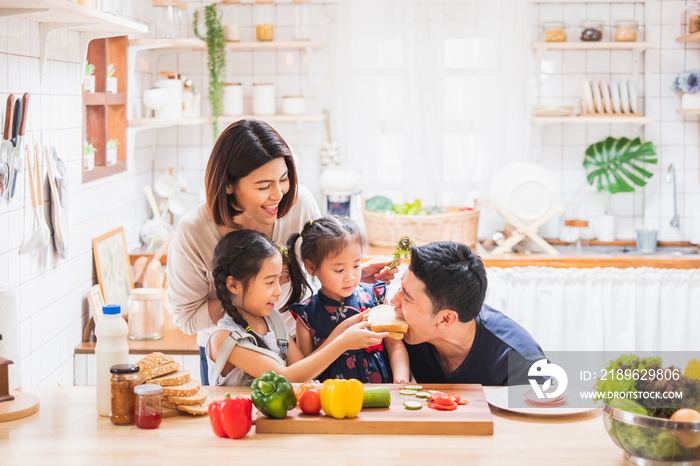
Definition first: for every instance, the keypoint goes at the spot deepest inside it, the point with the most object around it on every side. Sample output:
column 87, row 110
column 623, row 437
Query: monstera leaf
column 615, row 164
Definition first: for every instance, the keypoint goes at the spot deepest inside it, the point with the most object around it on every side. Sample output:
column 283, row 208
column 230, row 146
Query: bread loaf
column 187, row 389
column 198, row 398
column 383, row 319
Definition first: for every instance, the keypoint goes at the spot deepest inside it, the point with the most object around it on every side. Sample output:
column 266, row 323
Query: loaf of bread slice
column 198, row 398
column 175, row 378
column 383, row 319
column 187, row 389
column 147, row 374
column 154, row 360
column 196, row 410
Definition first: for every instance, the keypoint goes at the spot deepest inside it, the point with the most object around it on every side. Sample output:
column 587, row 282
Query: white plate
column 526, row 189
column 615, row 97
column 554, row 110
column 597, row 98
column 633, row 96
column 499, row 399
column 624, row 97
column 587, row 96
column 605, row 93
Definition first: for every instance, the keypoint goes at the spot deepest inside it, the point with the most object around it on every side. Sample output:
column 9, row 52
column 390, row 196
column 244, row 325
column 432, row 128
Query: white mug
column 233, row 99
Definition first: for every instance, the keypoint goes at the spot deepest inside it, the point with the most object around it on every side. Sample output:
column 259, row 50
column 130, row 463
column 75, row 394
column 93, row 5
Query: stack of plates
column 599, row 97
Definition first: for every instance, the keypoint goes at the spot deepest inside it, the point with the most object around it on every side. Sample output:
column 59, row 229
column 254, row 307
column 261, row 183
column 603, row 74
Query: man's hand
column 374, row 270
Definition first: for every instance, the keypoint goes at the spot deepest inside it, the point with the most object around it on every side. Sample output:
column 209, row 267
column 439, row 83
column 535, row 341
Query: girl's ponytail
column 297, row 277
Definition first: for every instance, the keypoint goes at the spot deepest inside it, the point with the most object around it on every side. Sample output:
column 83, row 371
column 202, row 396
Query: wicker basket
column 385, row 229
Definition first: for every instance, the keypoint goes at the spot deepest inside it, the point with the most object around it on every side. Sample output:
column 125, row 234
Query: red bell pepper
column 231, row 417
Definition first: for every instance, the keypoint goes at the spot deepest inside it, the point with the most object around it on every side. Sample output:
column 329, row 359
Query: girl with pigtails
column 251, row 338
column 331, row 250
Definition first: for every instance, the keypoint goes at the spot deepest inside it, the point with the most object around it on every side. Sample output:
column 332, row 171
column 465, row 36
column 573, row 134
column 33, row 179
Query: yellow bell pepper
column 342, row 398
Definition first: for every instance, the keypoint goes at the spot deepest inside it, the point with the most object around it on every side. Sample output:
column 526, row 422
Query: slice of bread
column 196, row 410
column 383, row 319
column 154, row 360
column 176, row 378
column 187, row 389
column 198, row 398
column 167, row 404
column 147, row 374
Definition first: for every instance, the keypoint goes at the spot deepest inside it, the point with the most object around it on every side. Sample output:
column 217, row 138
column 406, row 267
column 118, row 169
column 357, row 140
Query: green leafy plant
column 216, row 62
column 89, row 69
column 110, row 70
column 615, row 165
column 112, row 144
column 88, row 148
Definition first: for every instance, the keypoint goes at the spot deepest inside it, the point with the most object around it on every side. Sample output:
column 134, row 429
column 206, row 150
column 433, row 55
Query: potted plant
column 216, row 62
column 617, row 166
column 688, row 84
column 89, row 78
column 111, row 152
column 111, row 81
column 88, row 156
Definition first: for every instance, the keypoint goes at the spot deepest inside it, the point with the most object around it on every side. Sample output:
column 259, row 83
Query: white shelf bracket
column 44, row 30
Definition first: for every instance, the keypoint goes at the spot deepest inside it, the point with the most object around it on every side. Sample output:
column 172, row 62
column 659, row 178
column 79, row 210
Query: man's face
column 413, row 305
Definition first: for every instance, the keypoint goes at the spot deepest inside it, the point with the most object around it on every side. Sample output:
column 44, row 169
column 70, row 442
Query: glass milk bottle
column 112, row 348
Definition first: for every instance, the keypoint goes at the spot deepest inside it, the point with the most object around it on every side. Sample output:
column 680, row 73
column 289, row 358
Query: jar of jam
column 124, row 378
column 626, row 30
column 148, row 411
column 592, row 30
column 554, row 31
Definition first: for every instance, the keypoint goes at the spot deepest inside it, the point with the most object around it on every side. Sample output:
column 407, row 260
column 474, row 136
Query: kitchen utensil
column 597, row 97
column 18, row 165
column 615, row 97
column 60, row 227
column 152, row 202
column 624, row 96
column 179, row 203
column 139, row 271
column 61, row 180
column 17, row 116
column 166, row 186
column 499, row 399
column 632, row 89
column 7, row 148
column 40, row 236
column 154, row 277
column 605, row 94
column 473, row 418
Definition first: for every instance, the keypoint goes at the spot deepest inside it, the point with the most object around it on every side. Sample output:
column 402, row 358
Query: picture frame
column 113, row 268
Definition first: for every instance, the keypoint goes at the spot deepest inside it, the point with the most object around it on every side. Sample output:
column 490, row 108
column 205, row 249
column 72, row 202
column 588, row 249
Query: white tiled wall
column 675, row 136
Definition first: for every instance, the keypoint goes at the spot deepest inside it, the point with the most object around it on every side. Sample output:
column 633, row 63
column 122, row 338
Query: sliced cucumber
column 408, row 392
column 423, row 394
column 413, row 387
column 376, row 397
column 434, row 391
column 412, row 405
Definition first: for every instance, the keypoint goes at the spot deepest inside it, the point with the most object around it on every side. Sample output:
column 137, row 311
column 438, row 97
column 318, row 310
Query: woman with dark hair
column 250, row 183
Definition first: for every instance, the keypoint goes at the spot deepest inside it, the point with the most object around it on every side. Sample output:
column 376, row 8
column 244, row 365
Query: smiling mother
column 250, row 183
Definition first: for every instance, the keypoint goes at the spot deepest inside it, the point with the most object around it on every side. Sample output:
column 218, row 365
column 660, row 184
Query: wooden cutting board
column 471, row 419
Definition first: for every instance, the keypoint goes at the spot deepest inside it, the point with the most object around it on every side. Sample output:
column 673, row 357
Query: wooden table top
column 67, row 430
column 173, row 342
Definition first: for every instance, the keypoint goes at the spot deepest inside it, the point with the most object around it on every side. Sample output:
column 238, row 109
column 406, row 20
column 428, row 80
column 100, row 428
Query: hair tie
column 311, row 222
column 247, row 329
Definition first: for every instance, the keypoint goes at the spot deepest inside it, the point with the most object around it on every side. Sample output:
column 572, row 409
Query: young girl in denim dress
column 331, row 250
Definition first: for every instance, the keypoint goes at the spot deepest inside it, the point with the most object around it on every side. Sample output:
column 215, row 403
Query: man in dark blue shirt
column 452, row 336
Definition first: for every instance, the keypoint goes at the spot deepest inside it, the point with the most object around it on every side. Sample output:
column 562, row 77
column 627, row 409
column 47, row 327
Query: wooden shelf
column 622, row 120
column 162, row 122
column 639, row 46
column 694, row 37
column 104, row 98
column 274, row 118
column 197, row 44
column 688, row 111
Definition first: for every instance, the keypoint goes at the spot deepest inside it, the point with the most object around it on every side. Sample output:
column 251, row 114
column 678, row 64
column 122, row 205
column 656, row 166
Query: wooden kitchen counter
column 67, row 430
column 173, row 342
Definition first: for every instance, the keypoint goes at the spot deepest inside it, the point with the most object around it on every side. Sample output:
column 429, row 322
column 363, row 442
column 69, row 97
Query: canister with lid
column 264, row 99
column 626, row 30
column 146, row 318
column 124, row 378
column 554, row 31
column 148, row 413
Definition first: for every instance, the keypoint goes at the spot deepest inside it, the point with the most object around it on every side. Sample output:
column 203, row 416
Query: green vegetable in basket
column 378, row 204
column 410, row 208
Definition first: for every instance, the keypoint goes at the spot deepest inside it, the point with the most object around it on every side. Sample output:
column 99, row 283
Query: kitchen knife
column 6, row 147
column 13, row 153
column 18, row 154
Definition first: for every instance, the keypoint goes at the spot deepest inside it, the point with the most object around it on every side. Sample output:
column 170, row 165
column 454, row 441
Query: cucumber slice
column 423, row 394
column 413, row 387
column 408, row 392
column 376, row 397
column 412, row 405
column 434, row 391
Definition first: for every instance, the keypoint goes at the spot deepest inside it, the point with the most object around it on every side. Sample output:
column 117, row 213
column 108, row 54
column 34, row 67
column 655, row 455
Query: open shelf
column 146, row 123
column 198, row 44
column 104, row 98
column 688, row 111
column 694, row 37
column 639, row 46
column 623, row 120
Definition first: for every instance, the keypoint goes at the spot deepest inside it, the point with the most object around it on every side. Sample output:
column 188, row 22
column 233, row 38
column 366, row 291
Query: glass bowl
column 653, row 441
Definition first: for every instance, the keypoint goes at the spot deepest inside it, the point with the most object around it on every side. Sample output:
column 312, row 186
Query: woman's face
column 259, row 193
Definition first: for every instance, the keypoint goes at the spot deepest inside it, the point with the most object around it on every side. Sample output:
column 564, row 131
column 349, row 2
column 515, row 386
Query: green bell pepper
column 273, row 395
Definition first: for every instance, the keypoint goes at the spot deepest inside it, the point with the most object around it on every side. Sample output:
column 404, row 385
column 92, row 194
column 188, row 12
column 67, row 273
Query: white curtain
column 429, row 98
column 642, row 309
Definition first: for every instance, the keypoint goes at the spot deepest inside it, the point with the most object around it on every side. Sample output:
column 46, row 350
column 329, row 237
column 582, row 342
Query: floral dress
column 321, row 314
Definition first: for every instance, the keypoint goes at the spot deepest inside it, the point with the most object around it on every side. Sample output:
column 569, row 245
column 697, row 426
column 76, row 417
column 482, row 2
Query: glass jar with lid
column 626, row 30
column 148, row 414
column 301, row 20
column 264, row 20
column 166, row 23
column 592, row 30
column 694, row 19
column 146, row 319
column 124, row 378
column 554, row 31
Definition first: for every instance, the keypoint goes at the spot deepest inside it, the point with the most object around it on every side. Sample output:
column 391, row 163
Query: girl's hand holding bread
column 358, row 336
